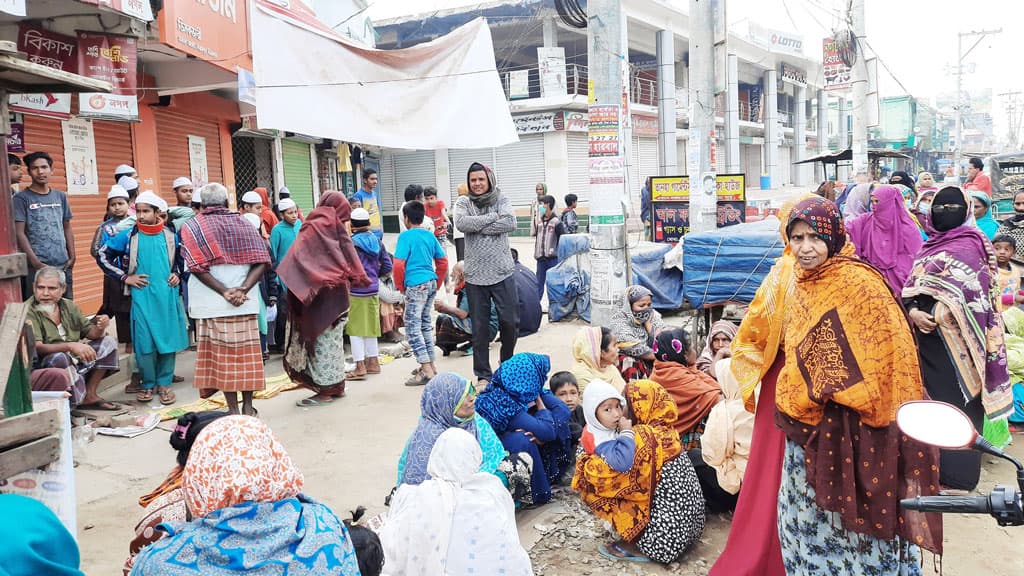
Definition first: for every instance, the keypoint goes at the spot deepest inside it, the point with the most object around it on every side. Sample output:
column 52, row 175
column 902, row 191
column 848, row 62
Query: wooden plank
column 29, row 457
column 10, row 334
column 28, row 427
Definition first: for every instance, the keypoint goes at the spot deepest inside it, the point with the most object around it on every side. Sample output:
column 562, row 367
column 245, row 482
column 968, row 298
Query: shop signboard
column 838, row 75
column 575, row 121
column 16, row 137
column 48, row 48
column 776, row 40
column 45, row 104
column 603, row 130
column 792, row 74
column 111, row 58
column 198, row 168
column 671, row 204
column 538, row 122
column 80, row 157
column 215, row 31
column 140, row 9
column 645, row 126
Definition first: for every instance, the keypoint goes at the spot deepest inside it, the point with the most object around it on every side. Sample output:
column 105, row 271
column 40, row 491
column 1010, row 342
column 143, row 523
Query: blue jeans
column 543, row 265
column 419, row 301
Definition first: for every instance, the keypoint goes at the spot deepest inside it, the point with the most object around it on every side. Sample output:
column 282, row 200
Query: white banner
column 552, row 71
column 80, row 157
column 199, row 172
column 109, row 106
column 441, row 94
column 776, row 40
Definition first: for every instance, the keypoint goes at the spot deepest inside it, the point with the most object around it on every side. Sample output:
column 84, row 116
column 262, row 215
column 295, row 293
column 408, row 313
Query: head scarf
column 628, row 325
column 694, row 392
column 707, row 357
column 493, row 193
column 986, row 223
column 267, row 217
column 322, row 261
column 858, row 202
column 905, row 180
column 887, row 237
column 759, row 337
column 35, row 541
column 957, row 267
column 850, row 362
column 593, row 396
column 945, row 221
column 673, row 346
column 542, row 185
column 237, row 459
column 459, row 521
column 586, row 350
column 441, row 398
column 516, row 383
column 624, row 498
column 824, row 218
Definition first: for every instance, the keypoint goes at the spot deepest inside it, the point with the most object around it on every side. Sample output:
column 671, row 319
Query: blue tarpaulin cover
column 665, row 284
column 568, row 283
column 727, row 265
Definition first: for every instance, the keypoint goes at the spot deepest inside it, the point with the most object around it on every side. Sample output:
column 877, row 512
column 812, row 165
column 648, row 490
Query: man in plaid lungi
column 226, row 257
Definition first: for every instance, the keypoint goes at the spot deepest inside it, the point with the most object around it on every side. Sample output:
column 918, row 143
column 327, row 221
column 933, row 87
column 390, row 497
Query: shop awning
column 20, row 75
column 847, row 155
column 441, row 94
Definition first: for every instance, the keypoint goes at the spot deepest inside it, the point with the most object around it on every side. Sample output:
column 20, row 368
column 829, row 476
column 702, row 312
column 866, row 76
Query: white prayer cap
column 117, row 191
column 128, row 183
column 149, row 197
column 181, row 181
column 251, row 197
column 252, row 219
column 197, row 198
column 124, row 170
column 286, row 204
column 360, row 214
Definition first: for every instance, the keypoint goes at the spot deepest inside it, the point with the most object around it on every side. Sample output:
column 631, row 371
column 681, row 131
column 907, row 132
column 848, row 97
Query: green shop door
column 298, row 173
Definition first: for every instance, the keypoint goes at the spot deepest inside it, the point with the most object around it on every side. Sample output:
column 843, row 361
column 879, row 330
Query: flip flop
column 622, row 554
column 177, row 379
column 145, row 395
column 311, row 402
column 102, row 405
column 420, row 379
column 166, row 395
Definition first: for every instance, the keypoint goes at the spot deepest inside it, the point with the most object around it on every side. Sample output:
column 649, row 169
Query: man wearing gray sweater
column 485, row 216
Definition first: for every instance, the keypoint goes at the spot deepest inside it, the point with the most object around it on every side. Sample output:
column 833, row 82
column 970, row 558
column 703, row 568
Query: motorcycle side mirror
column 937, row 424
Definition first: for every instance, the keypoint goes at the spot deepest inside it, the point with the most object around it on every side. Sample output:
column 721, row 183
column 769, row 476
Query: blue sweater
column 618, row 453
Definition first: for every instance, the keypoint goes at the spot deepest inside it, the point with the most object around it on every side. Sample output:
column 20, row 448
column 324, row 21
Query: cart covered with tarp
column 726, row 266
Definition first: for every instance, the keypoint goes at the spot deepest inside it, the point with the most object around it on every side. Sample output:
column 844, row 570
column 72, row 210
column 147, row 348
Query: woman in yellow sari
column 851, row 360
column 656, row 504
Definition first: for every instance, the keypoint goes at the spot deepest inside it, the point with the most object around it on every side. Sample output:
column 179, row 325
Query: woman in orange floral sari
column 851, row 360
column 656, row 505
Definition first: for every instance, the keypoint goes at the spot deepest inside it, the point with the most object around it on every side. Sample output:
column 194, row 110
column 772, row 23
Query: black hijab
column 905, row 179
column 945, row 221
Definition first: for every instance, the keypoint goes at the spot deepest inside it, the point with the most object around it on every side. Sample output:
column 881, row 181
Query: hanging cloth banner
column 112, row 58
column 440, row 94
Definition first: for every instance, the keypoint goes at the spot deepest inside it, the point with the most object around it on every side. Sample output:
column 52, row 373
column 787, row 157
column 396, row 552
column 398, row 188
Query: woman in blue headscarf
column 448, row 401
column 529, row 419
column 35, row 541
column 983, row 214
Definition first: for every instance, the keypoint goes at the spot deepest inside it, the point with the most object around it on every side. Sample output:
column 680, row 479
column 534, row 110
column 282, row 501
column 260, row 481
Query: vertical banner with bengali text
column 80, row 157
column 199, row 172
column 112, row 58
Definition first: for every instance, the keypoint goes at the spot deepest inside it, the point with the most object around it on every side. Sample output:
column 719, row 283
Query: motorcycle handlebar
column 949, row 504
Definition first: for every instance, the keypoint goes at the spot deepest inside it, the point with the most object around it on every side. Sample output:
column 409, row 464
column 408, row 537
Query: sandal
column 616, row 552
column 353, row 375
column 145, row 395
column 177, row 379
column 313, row 401
column 166, row 395
column 418, row 379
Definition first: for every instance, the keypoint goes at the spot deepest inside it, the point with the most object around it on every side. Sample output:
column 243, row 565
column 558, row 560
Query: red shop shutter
column 113, row 146
column 173, row 130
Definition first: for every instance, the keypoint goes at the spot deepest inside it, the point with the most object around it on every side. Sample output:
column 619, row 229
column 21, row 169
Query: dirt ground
column 348, row 453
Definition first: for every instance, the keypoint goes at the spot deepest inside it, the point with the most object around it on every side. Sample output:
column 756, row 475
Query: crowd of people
column 902, row 289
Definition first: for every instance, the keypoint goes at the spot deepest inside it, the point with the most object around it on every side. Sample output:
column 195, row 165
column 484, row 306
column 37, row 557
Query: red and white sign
column 645, row 125
column 135, row 8
column 49, row 105
column 838, row 75
column 48, row 48
column 111, row 58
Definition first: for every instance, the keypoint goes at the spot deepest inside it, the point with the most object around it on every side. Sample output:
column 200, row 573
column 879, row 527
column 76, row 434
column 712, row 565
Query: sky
column 916, row 39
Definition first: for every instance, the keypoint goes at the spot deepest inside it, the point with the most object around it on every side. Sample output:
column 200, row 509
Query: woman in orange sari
column 652, row 498
column 851, row 361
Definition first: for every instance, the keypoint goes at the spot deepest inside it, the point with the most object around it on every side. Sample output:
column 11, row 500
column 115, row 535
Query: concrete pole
column 844, row 135
column 703, row 208
column 605, row 43
column 859, row 76
column 732, row 117
column 772, row 139
column 550, row 33
column 822, row 133
column 667, row 146
column 799, row 135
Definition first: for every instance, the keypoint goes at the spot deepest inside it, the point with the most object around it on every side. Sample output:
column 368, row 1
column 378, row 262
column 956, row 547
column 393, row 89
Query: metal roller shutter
column 298, row 173
column 459, row 162
column 386, row 177
column 645, row 163
column 519, row 167
column 579, row 165
column 416, row 167
column 720, row 164
column 113, row 146
column 751, row 154
column 172, row 132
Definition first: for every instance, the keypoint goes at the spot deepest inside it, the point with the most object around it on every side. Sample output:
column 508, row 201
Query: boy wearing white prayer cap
column 183, row 189
column 124, row 170
column 144, row 258
column 281, row 239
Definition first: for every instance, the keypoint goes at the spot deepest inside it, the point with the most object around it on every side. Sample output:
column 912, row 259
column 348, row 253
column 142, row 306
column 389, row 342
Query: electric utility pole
column 1014, row 114
column 960, row 104
column 859, row 77
column 607, row 112
column 703, row 207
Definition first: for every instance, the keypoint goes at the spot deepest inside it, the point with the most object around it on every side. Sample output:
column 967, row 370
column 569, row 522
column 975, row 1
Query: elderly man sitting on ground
column 66, row 339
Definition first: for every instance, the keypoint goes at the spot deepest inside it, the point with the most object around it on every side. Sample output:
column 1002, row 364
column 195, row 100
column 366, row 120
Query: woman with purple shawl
column 950, row 300
column 887, row 237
